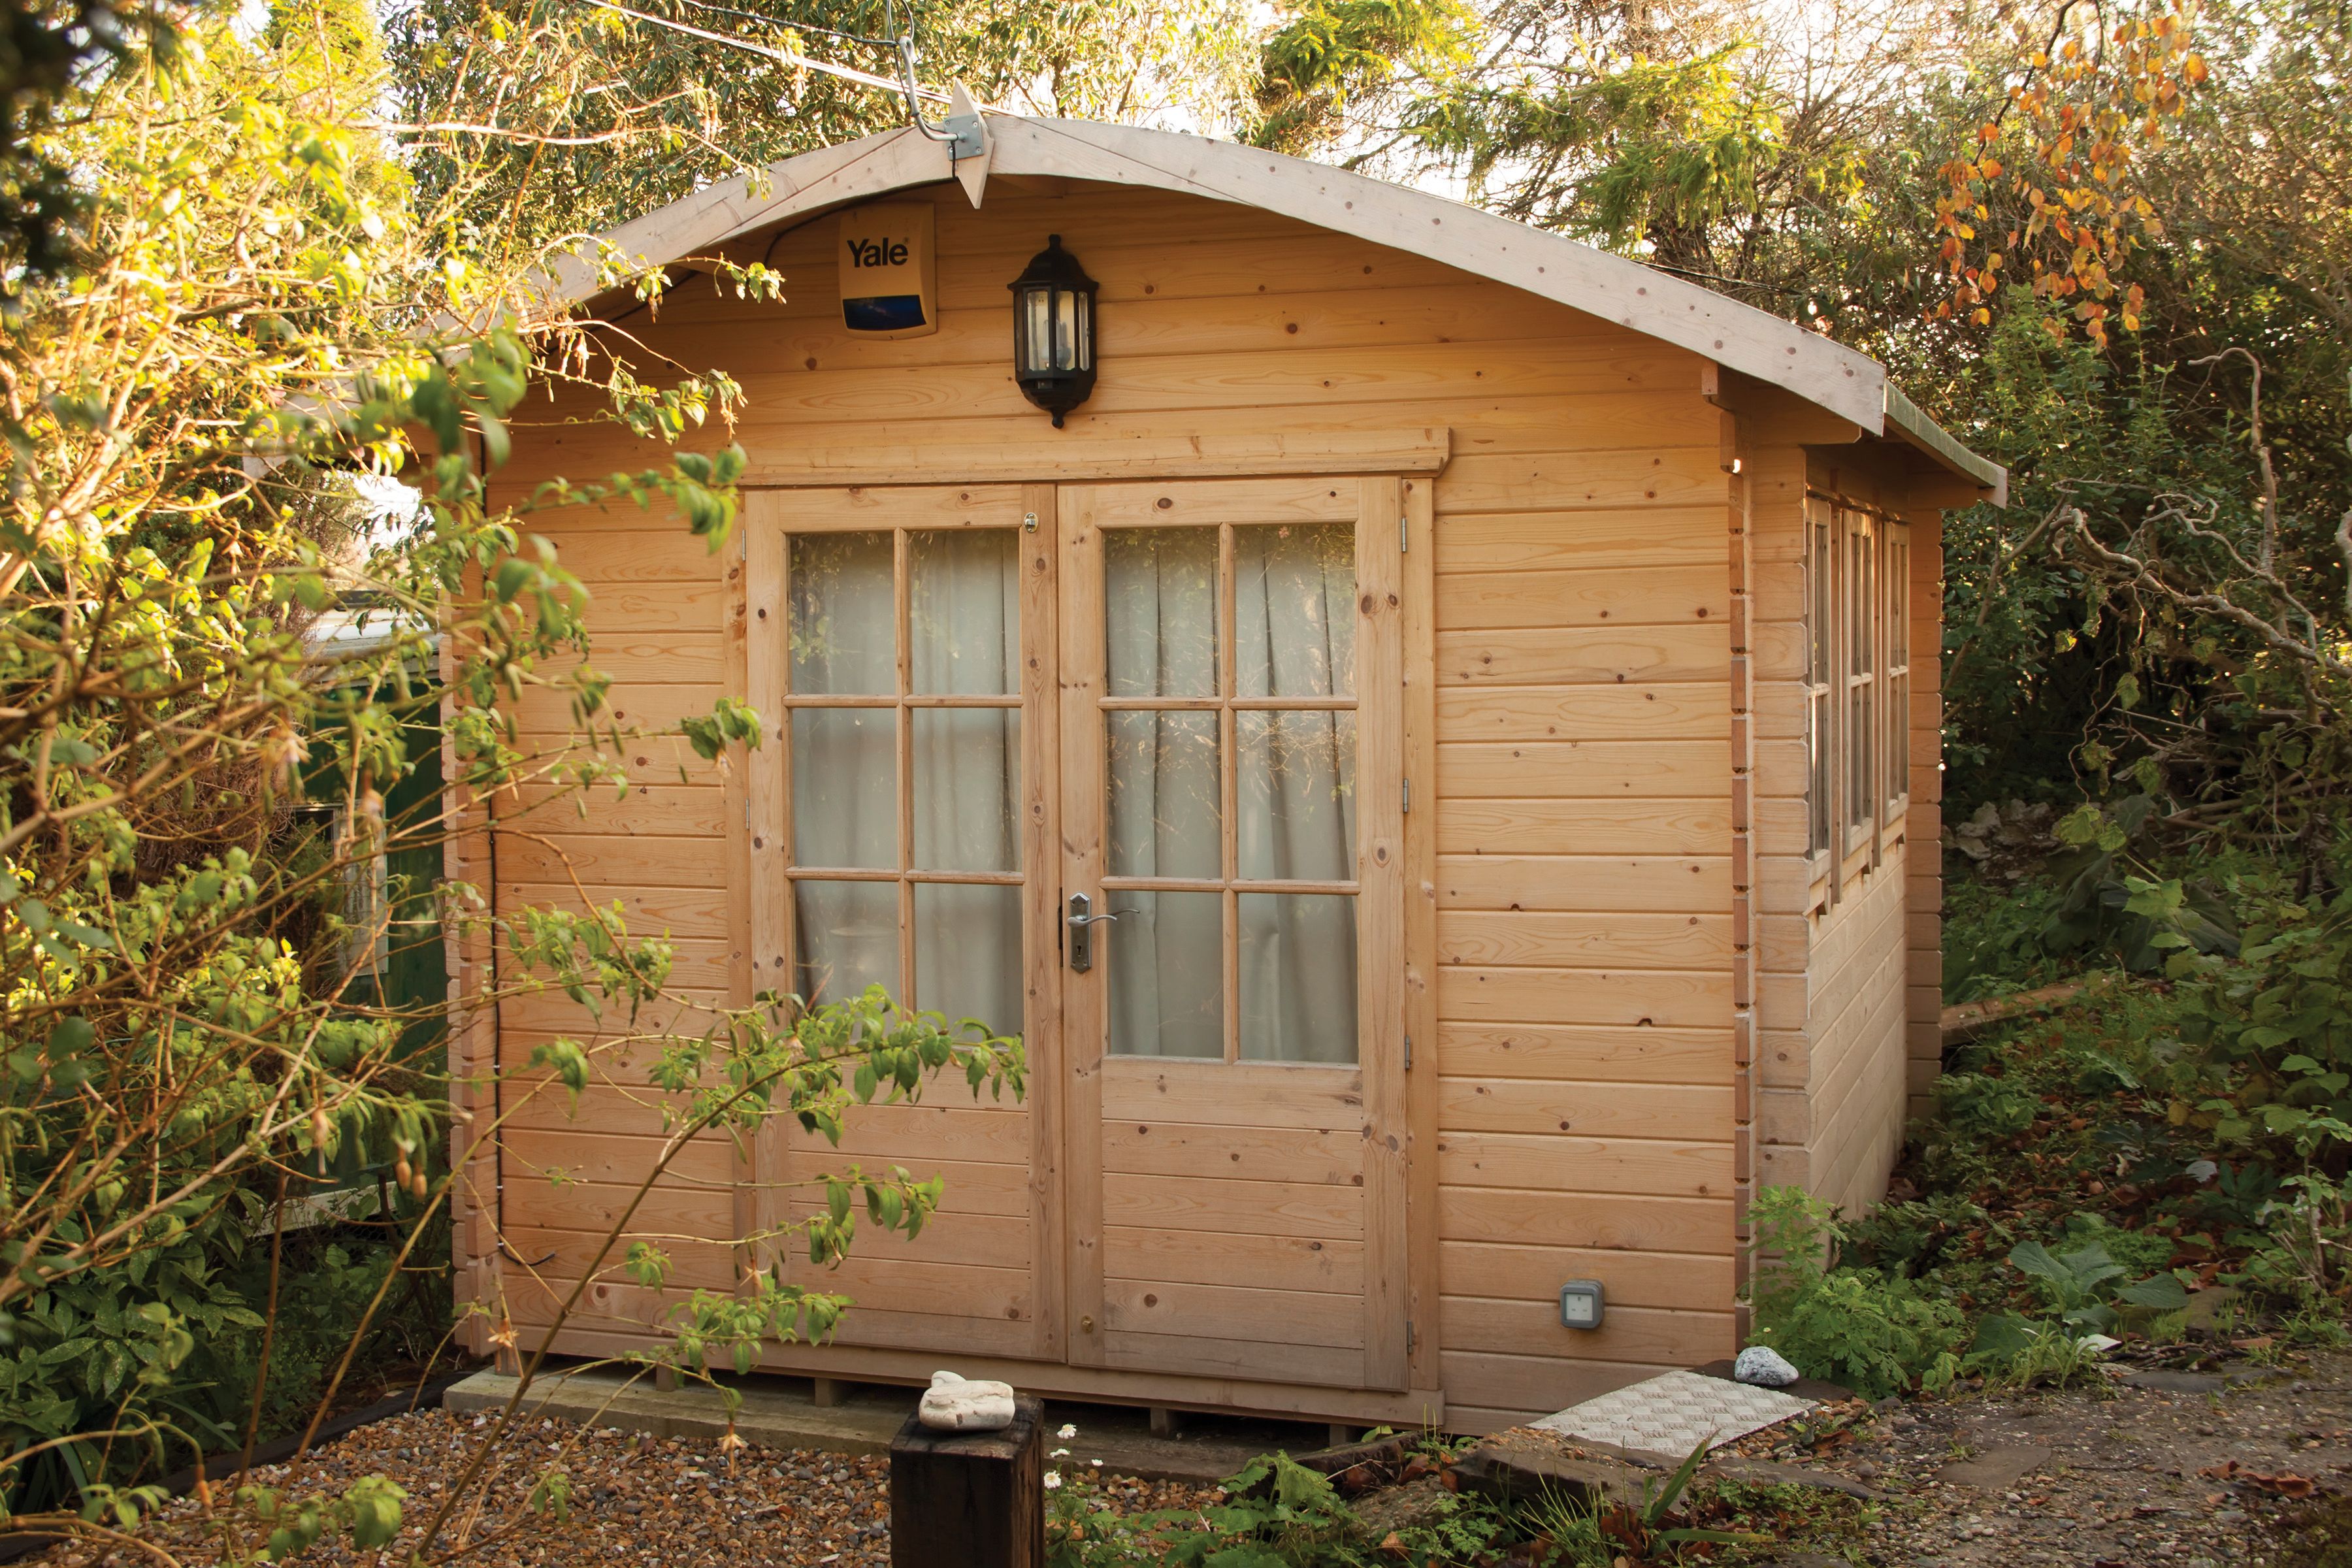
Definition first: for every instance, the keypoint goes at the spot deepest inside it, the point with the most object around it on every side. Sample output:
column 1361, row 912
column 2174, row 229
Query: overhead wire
column 791, row 58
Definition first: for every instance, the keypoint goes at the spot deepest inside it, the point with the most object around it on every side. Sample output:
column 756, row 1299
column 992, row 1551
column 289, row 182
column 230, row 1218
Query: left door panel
column 900, row 833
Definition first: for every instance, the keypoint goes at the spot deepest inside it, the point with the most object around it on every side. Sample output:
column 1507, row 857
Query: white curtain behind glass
column 964, row 615
column 1294, row 629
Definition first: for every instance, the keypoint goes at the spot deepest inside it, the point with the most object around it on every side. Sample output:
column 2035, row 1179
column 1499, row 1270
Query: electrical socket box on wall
column 889, row 283
column 1581, row 1304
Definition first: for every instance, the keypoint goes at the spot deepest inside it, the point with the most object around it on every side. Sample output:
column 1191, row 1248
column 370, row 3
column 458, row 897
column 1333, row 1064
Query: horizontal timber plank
column 1670, row 476
column 1587, row 1110
column 1639, row 771
column 1210, row 1258
column 1641, row 998
column 1582, row 941
column 647, row 911
column 1614, row 1223
column 1232, row 1313
column 1653, row 1334
column 952, row 1123
column 1686, row 711
column 1655, row 595
column 572, row 1254
column 612, row 555
column 1687, row 826
column 1249, row 1208
column 1574, row 1052
column 1660, row 1167
column 531, row 854
column 1510, row 1272
column 1678, row 884
column 591, row 1156
column 1588, row 655
column 649, row 811
column 1629, row 538
column 970, row 1188
column 1244, row 1153
column 1144, row 1090
column 1232, row 1358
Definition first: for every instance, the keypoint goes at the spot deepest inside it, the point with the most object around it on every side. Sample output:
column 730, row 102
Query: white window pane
column 847, row 938
column 1165, row 958
column 1298, row 977
column 963, row 593
column 1166, row 810
column 967, row 789
column 1295, row 610
column 1294, row 795
column 1159, row 611
column 842, row 612
column 845, row 788
column 967, row 954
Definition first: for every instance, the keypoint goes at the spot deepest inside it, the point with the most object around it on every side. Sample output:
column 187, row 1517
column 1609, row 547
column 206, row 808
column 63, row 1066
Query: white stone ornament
column 1764, row 1367
column 953, row 1404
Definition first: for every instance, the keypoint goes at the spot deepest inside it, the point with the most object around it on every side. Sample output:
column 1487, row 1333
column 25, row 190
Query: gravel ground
column 636, row 1499
column 2116, row 1477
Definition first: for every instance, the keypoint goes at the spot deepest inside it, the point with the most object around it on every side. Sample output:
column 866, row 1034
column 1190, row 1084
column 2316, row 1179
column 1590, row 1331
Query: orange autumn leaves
column 2049, row 194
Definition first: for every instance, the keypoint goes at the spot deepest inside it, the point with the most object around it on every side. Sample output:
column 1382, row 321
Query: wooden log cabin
column 1491, row 684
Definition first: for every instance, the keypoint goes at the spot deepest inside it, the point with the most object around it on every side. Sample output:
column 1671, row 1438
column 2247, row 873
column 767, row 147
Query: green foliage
column 1876, row 1334
column 2274, row 1028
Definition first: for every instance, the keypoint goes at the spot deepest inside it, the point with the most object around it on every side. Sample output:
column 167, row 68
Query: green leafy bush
column 1876, row 1334
column 1979, row 1105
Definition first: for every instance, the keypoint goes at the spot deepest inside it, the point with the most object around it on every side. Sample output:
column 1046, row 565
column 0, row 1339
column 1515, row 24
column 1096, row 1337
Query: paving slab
column 1674, row 1412
column 1995, row 1470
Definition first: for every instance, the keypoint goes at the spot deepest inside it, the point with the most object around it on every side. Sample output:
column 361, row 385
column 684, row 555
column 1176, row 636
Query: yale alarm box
column 888, row 289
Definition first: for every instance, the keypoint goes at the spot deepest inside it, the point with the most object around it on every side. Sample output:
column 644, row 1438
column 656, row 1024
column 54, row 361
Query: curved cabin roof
column 1737, row 337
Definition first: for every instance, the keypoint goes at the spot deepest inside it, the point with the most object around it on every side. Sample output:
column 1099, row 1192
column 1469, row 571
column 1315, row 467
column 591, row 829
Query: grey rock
column 1995, row 1470
column 1764, row 1367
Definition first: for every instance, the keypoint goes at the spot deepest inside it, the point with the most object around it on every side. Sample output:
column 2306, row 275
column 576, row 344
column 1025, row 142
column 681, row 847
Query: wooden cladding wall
column 1572, row 1086
column 1840, row 945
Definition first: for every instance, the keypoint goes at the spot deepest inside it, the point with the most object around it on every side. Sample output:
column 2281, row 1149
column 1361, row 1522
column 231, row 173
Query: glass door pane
column 905, row 679
column 1229, row 801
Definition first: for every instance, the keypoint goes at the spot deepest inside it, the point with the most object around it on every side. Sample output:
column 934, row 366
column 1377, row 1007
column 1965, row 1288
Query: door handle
column 1079, row 921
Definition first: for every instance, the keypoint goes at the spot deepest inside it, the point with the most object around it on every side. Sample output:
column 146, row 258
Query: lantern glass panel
column 1037, row 329
column 1069, row 344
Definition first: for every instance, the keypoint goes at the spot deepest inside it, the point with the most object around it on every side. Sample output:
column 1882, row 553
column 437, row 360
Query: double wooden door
column 1116, row 767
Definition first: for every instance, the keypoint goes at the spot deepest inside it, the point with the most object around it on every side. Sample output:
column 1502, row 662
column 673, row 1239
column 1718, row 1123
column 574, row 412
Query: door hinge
column 1408, row 1053
column 1407, row 1339
column 1407, row 795
column 1404, row 537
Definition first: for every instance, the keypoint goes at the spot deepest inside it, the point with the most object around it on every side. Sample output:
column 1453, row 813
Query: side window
column 1897, row 577
column 1818, row 661
column 1857, row 673
column 1859, row 600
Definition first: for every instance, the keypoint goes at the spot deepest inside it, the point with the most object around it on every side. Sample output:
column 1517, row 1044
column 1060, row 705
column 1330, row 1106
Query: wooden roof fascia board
column 1612, row 287
column 1595, row 281
column 799, row 186
column 1908, row 424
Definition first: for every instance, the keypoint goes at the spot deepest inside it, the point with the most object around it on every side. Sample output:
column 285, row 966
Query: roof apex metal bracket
column 969, row 143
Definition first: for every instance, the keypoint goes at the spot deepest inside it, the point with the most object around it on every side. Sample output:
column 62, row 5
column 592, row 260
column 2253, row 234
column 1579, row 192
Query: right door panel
column 1232, row 827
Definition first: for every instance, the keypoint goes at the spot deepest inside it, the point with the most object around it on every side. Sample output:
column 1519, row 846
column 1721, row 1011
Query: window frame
column 1857, row 685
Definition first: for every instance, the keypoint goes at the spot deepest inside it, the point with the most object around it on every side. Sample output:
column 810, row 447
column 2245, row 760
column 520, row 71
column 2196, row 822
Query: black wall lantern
column 1054, row 331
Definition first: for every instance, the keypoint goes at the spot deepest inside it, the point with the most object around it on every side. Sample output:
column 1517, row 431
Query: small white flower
column 1095, row 1463
column 1059, row 1454
column 1053, row 1481
column 1066, row 1432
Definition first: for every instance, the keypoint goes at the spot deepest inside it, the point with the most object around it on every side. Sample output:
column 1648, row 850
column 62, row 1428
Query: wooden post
column 970, row 1500
column 828, row 1393
column 1164, row 1421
